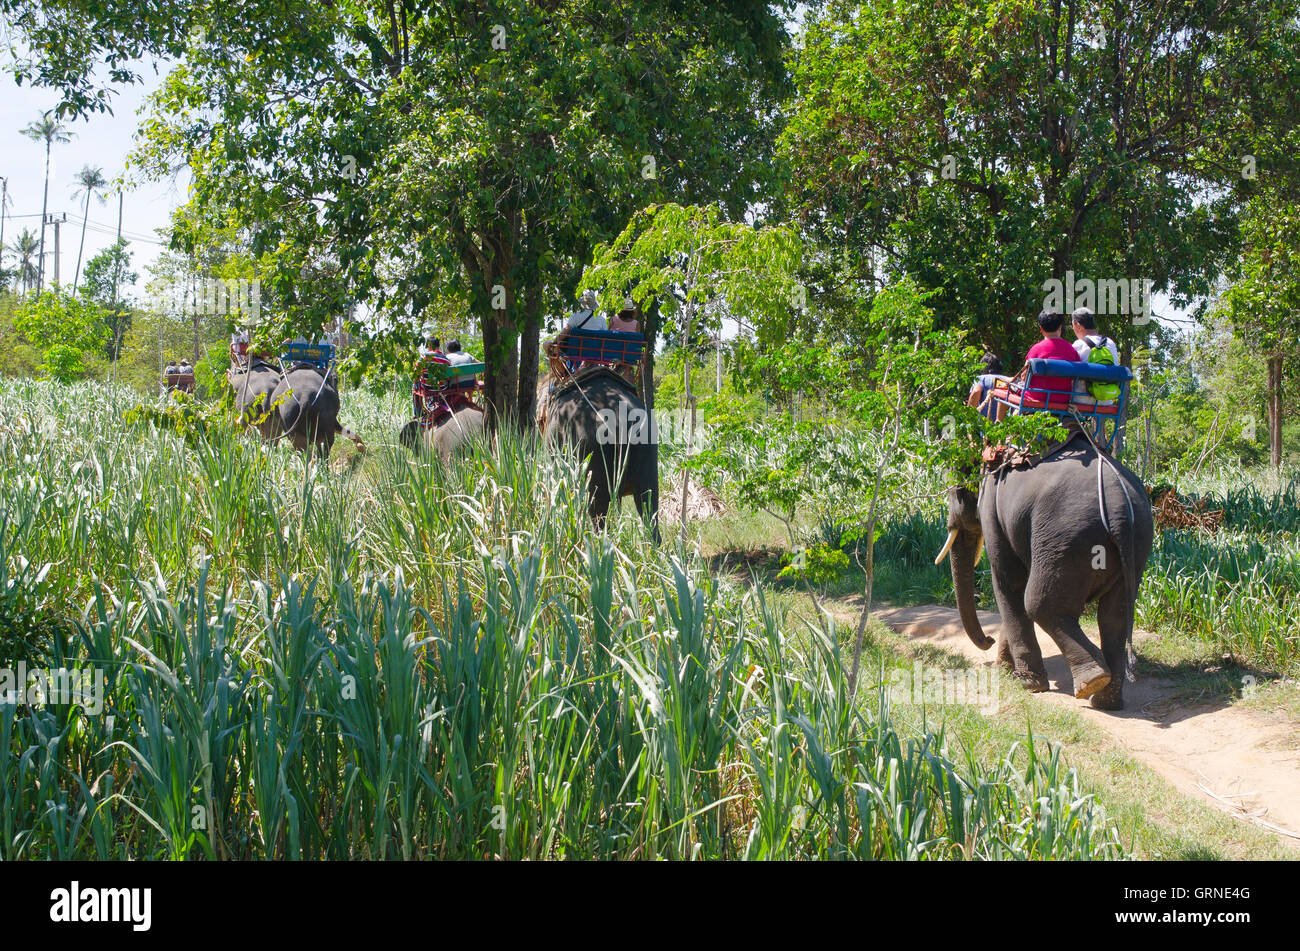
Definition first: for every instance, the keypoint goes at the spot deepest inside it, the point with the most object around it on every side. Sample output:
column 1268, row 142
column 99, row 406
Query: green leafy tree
column 106, row 273
column 987, row 146
column 25, row 251
column 64, row 327
column 1264, row 301
column 395, row 154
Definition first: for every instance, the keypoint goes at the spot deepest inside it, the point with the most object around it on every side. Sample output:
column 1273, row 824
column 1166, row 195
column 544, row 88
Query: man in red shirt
column 1052, row 347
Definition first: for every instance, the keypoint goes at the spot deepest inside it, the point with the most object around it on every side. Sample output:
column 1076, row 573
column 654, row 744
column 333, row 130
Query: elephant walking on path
column 601, row 416
column 1072, row 529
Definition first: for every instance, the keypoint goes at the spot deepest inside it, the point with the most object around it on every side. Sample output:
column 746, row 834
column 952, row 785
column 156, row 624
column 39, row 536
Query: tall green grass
column 404, row 661
column 1234, row 591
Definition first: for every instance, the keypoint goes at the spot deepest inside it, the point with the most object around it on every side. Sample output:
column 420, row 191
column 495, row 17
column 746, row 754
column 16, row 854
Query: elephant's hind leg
column 1060, row 619
column 1113, row 619
column 597, row 499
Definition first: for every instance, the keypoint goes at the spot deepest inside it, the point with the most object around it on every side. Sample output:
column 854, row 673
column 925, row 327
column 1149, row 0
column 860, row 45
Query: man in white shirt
column 1087, row 337
column 457, row 356
column 586, row 320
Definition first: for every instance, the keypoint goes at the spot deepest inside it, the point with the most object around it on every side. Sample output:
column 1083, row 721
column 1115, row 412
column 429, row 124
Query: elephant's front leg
column 1018, row 650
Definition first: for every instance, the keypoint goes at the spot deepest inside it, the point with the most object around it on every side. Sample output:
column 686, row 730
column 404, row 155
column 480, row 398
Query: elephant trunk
column 965, row 552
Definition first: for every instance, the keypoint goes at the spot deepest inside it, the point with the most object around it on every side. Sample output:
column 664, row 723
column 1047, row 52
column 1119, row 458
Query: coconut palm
column 24, row 250
column 91, row 183
column 49, row 130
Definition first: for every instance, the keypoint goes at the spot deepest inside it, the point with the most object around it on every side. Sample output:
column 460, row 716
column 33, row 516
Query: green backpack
column 1100, row 353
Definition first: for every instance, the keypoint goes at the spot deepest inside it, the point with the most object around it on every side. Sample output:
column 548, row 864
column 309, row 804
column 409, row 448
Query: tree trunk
column 1275, row 411
column 1121, row 422
column 81, row 248
column 650, row 330
column 1148, row 465
column 45, row 206
column 529, row 355
column 501, row 354
column 690, row 403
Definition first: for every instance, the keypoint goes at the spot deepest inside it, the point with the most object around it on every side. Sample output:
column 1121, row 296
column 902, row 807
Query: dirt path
column 1233, row 759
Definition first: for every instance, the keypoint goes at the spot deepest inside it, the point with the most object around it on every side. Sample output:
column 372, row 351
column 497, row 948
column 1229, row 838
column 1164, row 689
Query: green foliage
column 1262, row 304
column 688, row 258
column 104, row 279
column 413, row 661
column 430, row 158
column 193, row 419
column 983, row 147
column 817, row 564
column 64, row 327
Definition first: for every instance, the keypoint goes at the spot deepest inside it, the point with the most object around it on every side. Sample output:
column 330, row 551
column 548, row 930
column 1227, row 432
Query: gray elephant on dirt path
column 1072, row 529
column 602, row 416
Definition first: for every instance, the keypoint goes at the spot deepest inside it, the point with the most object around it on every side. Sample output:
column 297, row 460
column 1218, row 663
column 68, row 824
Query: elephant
column 307, row 401
column 447, row 437
column 253, row 387
column 602, row 417
column 1074, row 528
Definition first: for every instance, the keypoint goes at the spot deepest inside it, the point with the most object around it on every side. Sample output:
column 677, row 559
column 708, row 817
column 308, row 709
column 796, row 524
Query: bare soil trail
column 1236, row 760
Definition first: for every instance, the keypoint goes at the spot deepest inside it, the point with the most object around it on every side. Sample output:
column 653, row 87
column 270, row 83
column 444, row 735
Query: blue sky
column 102, row 140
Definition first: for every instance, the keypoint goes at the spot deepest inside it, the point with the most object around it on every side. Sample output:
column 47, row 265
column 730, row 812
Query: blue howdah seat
column 602, row 346
column 320, row 355
column 1033, row 397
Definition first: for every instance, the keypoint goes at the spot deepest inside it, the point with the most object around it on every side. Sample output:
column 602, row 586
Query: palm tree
column 24, row 250
column 49, row 130
column 91, row 183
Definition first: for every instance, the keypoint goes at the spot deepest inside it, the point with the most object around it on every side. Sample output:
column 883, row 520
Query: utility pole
column 717, row 347
column 4, row 205
column 56, row 220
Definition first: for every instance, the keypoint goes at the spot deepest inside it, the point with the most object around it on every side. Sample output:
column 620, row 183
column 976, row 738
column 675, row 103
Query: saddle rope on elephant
column 1130, row 582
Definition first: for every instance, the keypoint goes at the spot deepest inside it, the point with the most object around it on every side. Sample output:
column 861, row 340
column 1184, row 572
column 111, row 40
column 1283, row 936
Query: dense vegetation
column 380, row 657
column 395, row 660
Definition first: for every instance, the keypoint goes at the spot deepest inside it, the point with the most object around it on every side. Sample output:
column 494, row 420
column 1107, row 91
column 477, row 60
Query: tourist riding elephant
column 601, row 416
column 307, row 400
column 1072, row 529
column 447, row 436
column 253, row 387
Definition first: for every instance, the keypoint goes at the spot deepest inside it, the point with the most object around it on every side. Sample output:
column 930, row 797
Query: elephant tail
column 1123, row 532
column 1129, row 571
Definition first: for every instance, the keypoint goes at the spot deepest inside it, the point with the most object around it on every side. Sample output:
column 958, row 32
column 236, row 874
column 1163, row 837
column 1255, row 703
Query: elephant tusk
column 952, row 537
column 979, row 551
